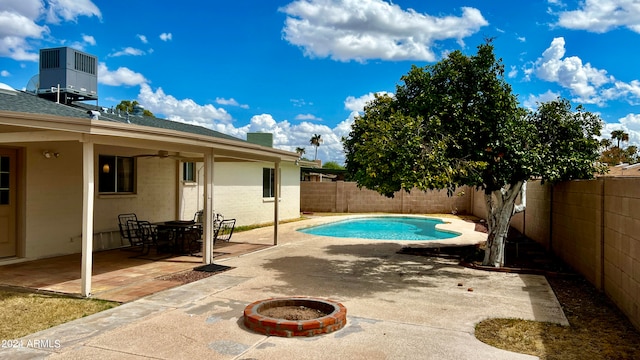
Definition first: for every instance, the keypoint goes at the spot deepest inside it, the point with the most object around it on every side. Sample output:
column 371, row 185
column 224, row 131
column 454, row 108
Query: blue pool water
column 384, row 228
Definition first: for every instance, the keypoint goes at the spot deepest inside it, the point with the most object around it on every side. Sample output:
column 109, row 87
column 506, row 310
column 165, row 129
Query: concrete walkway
column 398, row 306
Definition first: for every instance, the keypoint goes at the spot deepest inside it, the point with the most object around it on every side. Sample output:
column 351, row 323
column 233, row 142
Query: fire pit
column 296, row 316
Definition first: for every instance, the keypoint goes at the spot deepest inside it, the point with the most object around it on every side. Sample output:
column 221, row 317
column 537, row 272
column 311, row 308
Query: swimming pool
column 384, row 228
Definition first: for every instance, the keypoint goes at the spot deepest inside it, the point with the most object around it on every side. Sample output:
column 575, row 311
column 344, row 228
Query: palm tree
column 619, row 135
column 316, row 140
column 301, row 151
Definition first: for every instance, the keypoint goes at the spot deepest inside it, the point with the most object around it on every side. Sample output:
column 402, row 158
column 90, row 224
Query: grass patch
column 23, row 313
column 598, row 330
column 257, row 226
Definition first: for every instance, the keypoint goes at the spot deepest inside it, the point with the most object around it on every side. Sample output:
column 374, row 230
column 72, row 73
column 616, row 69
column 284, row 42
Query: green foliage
column 332, row 165
column 457, row 122
column 126, row 105
column 316, row 140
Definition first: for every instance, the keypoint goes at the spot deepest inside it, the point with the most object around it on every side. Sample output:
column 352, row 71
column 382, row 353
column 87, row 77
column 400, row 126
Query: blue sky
column 298, row 68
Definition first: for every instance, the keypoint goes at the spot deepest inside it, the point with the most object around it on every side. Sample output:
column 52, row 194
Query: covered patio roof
column 25, row 118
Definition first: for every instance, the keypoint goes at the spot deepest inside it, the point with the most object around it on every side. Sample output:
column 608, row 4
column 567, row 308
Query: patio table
column 180, row 229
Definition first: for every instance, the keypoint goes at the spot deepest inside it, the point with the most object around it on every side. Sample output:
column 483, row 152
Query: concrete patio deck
column 118, row 275
column 398, row 306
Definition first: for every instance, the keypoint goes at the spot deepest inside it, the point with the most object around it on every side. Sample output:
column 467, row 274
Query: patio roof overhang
column 16, row 127
column 20, row 127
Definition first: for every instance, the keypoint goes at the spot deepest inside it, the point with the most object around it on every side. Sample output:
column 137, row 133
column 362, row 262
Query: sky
column 303, row 67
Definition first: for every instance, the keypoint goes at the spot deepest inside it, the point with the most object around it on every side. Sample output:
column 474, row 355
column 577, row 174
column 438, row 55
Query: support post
column 88, row 181
column 207, row 216
column 276, row 201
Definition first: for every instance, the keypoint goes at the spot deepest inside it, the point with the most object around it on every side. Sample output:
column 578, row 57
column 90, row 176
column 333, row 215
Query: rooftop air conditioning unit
column 68, row 75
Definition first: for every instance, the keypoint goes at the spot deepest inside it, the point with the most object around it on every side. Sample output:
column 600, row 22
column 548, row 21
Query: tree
column 128, row 106
column 301, row 151
column 332, row 165
column 619, row 135
column 457, row 123
column 316, row 140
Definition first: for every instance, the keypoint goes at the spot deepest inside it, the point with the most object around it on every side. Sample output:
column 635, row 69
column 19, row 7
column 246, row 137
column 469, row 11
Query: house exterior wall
column 346, row 197
column 238, row 192
column 53, row 200
column 51, row 216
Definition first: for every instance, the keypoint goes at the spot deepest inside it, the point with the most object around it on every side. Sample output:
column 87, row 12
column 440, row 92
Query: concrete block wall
column 594, row 226
column 622, row 244
column 576, row 228
column 346, row 197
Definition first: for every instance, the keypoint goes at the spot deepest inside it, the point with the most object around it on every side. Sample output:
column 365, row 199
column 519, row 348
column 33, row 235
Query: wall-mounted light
column 105, row 168
column 50, row 154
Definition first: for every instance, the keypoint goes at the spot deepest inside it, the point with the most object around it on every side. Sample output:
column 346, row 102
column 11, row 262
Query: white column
column 207, row 216
column 276, row 202
column 88, row 181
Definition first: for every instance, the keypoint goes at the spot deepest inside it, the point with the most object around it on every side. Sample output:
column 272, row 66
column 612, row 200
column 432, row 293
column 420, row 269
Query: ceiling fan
column 163, row 154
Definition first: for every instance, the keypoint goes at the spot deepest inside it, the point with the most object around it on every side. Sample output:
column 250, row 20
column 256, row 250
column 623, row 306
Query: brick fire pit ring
column 335, row 319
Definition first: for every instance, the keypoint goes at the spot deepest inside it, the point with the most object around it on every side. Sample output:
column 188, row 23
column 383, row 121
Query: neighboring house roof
column 28, row 103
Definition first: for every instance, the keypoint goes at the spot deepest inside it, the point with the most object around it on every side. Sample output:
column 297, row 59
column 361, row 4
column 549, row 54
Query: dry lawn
column 598, row 330
column 23, row 313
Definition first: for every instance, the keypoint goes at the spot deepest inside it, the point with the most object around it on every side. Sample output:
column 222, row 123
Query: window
column 5, row 186
column 189, row 171
column 268, row 183
column 116, row 174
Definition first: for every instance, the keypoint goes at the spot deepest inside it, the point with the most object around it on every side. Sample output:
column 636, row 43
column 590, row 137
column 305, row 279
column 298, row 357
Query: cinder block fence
column 594, row 225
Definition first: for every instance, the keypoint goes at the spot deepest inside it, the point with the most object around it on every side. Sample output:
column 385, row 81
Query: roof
column 19, row 101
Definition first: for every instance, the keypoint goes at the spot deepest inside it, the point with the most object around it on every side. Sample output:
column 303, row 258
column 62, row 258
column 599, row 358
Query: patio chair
column 224, row 230
column 197, row 217
column 125, row 232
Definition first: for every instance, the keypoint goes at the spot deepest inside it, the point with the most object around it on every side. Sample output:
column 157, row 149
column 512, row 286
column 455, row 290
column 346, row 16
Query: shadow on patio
column 117, row 274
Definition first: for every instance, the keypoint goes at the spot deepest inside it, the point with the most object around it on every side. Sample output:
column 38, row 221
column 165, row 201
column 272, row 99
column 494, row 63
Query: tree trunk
column 500, row 208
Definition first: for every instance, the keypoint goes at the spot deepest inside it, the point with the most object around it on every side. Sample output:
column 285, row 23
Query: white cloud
column 309, row 117
column 70, row 10
column 231, row 102
column 300, row 102
column 357, row 104
column 119, row 77
column 142, row 38
column 533, row 100
column 128, row 51
column 359, row 30
column 166, row 36
column 23, row 21
column 587, row 83
column 184, row 110
column 513, row 72
column 600, row 16
column 629, row 124
column 522, row 39
column 89, row 39
column 5, row 73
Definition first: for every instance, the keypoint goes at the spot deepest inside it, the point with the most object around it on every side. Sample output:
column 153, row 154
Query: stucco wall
column 53, row 199
column 346, row 197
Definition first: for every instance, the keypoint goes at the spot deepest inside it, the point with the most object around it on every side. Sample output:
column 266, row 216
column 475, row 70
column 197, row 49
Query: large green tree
column 128, row 106
column 458, row 123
